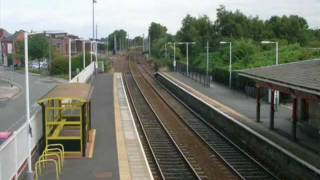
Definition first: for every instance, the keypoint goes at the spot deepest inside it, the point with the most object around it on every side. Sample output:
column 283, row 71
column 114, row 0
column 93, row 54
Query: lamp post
column 70, row 57
column 165, row 50
column 187, row 51
column 142, row 43
column 174, row 55
column 207, row 74
column 26, row 60
column 93, row 23
column 230, row 61
column 277, row 49
column 277, row 98
column 84, row 53
column 149, row 46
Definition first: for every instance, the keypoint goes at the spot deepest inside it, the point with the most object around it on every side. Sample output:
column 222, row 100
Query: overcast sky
column 75, row 16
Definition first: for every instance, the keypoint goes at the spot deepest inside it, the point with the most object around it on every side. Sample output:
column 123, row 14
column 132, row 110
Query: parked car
column 4, row 136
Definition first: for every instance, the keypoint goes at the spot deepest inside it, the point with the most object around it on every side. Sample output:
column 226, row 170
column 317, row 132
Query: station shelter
column 301, row 81
column 66, row 113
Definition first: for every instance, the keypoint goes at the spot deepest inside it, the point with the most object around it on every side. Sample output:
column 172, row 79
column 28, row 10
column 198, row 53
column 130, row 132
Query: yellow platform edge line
column 124, row 170
column 93, row 143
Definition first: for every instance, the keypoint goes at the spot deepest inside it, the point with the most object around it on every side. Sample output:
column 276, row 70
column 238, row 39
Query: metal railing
column 85, row 74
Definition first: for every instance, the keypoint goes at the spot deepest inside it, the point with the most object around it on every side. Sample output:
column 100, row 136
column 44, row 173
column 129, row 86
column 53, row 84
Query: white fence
column 14, row 151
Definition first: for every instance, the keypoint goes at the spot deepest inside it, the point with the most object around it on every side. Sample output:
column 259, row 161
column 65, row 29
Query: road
column 12, row 112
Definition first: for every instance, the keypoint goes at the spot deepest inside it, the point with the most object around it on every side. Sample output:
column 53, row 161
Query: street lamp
column 277, row 49
column 83, row 49
column 187, row 48
column 142, row 43
column 277, row 98
column 26, row 61
column 93, row 2
column 230, row 61
column 165, row 50
column 174, row 55
column 207, row 74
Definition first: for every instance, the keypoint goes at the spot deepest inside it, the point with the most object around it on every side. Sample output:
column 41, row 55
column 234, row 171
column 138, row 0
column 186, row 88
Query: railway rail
column 204, row 162
column 234, row 157
column 168, row 157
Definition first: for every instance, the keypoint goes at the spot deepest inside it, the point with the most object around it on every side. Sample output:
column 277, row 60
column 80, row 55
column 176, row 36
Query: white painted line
column 135, row 130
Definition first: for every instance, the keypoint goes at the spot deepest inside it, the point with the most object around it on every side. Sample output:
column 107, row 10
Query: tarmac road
column 12, row 112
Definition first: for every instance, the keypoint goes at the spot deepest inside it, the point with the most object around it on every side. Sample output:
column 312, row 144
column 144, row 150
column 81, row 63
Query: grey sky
column 74, row 16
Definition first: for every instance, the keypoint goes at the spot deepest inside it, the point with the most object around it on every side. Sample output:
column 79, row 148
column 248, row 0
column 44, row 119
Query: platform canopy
column 299, row 79
column 302, row 76
column 76, row 91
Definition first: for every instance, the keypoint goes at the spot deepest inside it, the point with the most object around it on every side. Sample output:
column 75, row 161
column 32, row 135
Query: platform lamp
column 174, row 55
column 83, row 49
column 29, row 173
column 230, row 61
column 277, row 97
column 187, row 51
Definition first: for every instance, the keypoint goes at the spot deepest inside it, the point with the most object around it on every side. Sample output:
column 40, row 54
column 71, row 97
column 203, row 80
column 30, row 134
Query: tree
column 292, row 28
column 158, row 34
column 38, row 47
column 199, row 30
column 120, row 36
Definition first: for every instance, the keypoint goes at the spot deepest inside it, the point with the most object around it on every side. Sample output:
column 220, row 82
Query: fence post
column 16, row 154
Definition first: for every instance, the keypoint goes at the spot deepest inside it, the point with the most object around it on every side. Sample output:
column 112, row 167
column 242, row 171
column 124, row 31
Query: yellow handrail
column 56, row 145
column 44, row 157
column 44, row 161
column 57, row 150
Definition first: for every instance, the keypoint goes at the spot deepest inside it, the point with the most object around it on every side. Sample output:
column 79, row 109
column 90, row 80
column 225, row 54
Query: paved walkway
column 245, row 106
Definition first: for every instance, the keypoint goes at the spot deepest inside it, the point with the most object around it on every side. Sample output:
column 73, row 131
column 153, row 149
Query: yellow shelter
column 66, row 112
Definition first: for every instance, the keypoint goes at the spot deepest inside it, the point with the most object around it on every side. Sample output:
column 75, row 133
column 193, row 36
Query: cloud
column 75, row 16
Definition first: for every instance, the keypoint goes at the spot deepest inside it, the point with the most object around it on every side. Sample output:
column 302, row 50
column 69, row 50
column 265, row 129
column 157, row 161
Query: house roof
column 4, row 33
column 15, row 35
column 75, row 91
column 303, row 75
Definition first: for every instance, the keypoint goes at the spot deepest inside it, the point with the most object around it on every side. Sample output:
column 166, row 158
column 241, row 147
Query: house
column 4, row 49
column 9, row 46
column 60, row 40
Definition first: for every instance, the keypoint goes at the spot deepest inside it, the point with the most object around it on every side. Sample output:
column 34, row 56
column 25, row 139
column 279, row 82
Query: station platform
column 243, row 108
column 117, row 152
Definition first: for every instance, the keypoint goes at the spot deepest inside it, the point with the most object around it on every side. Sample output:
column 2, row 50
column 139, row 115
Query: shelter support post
column 272, row 110
column 258, row 94
column 294, row 119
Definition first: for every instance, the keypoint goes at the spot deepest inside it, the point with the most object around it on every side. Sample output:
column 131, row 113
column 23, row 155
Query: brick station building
column 301, row 81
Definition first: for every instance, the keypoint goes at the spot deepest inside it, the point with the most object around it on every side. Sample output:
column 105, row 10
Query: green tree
column 158, row 34
column 38, row 47
column 292, row 28
column 157, row 31
column 121, row 38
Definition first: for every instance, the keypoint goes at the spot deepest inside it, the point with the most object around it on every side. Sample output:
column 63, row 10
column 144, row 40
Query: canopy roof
column 75, row 91
column 302, row 76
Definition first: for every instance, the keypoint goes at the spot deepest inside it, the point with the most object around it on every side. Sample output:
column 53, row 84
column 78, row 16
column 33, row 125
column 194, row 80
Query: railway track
column 239, row 161
column 198, row 156
column 170, row 161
